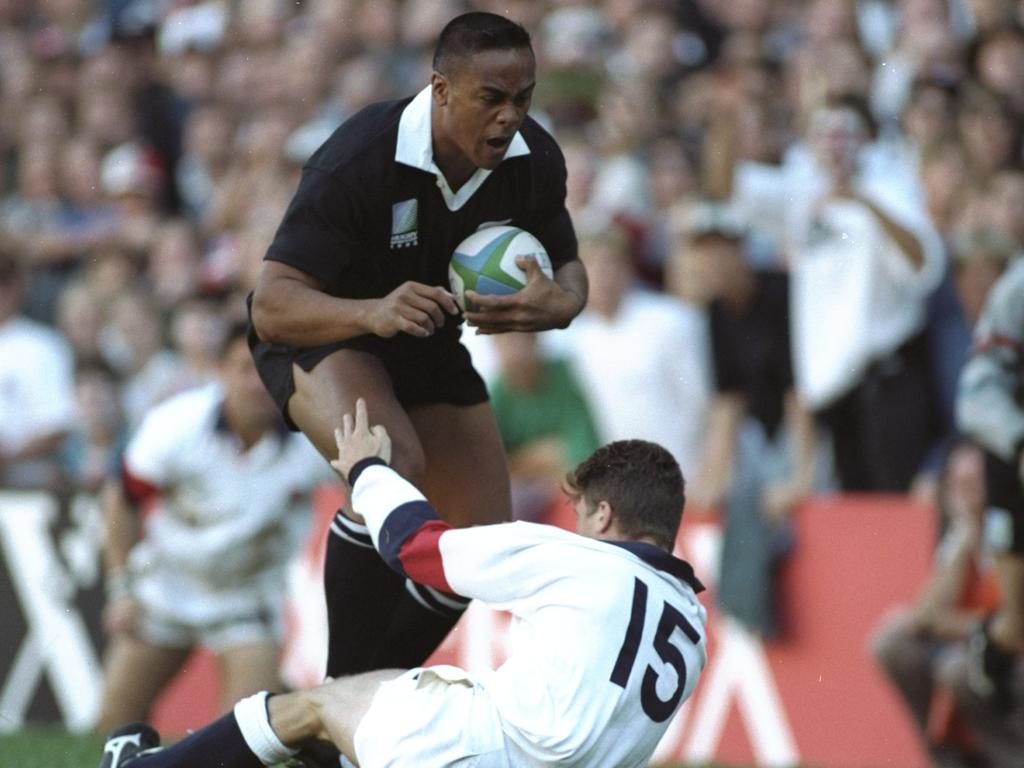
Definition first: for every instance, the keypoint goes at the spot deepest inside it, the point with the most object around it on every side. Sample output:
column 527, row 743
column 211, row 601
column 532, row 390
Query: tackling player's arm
column 407, row 531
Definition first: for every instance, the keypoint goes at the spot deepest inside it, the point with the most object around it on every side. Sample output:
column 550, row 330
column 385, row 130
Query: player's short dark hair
column 475, row 32
column 641, row 481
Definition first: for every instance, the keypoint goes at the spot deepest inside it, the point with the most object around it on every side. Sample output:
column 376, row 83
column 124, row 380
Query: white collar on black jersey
column 415, row 148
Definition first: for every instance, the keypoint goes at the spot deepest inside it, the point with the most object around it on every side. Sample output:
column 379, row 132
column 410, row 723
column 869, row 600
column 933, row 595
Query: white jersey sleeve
column 152, row 456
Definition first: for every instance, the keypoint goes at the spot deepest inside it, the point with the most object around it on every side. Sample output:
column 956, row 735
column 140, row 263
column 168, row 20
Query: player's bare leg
column 135, row 672
column 466, row 477
column 246, row 669
column 368, row 608
column 323, row 395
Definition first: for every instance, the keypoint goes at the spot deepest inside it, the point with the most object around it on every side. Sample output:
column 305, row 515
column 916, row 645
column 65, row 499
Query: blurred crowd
column 728, row 161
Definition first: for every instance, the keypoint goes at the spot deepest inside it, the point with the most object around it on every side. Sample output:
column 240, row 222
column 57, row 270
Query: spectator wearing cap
column 760, row 449
column 36, row 389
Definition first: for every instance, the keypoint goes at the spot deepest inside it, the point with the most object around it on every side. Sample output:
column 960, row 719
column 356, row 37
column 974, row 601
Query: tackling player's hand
column 413, row 308
column 357, row 440
column 540, row 305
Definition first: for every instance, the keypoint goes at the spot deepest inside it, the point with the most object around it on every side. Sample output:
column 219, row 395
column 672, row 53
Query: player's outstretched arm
column 290, row 306
column 543, row 303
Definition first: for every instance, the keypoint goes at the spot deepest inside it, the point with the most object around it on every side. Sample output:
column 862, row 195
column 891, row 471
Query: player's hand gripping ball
column 485, row 262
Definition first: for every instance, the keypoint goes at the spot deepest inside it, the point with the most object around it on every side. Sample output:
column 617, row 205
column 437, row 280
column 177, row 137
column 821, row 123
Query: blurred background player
column 213, row 502
column 609, row 639
column 352, row 300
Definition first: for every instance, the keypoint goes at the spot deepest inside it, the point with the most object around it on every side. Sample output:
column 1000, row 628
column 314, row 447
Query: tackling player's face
column 482, row 104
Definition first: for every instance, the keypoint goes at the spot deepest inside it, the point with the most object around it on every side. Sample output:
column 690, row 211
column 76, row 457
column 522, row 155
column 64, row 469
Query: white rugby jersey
column 223, row 518
column 607, row 639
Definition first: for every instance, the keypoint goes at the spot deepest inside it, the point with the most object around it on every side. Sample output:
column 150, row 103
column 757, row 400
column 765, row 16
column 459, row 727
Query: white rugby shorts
column 433, row 716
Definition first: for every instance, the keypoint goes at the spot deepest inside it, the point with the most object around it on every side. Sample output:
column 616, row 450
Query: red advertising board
column 812, row 697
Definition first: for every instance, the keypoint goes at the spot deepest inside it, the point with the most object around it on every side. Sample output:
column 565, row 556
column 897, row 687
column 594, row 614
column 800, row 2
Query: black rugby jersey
column 372, row 210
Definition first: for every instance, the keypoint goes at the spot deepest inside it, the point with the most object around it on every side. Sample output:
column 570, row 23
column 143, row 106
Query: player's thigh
column 329, row 391
column 135, row 671
column 247, row 669
column 343, row 703
column 429, row 716
column 466, row 476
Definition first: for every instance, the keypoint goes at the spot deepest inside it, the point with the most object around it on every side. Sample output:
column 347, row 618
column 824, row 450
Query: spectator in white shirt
column 36, row 390
column 641, row 357
column 862, row 268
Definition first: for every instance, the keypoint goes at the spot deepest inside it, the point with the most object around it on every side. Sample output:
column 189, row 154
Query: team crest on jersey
column 404, row 223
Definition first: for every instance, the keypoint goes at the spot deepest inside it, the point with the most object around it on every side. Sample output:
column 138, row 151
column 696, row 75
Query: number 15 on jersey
column 654, row 706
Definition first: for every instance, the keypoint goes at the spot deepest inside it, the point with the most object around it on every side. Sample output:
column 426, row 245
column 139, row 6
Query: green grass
column 42, row 747
column 45, row 747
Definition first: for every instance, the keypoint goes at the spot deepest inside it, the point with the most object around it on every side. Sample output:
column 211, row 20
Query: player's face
column 482, row 104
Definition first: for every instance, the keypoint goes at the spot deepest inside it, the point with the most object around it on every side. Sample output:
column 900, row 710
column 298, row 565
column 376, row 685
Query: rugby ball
column 485, row 262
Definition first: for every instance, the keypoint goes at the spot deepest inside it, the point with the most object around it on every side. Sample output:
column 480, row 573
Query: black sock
column 218, row 745
column 423, row 618
column 362, row 594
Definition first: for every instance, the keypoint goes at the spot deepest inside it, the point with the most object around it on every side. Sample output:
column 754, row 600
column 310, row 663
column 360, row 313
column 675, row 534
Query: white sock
column 254, row 723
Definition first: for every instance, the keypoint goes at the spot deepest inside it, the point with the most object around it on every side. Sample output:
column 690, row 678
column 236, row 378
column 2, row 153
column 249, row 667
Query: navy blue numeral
column 635, row 630
column 656, row 708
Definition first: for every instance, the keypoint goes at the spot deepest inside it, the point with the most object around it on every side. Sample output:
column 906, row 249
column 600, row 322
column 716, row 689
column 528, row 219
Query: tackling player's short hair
column 641, row 481
column 474, row 32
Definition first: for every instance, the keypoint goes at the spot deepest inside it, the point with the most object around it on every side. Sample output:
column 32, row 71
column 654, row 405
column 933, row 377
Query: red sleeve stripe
column 420, row 556
column 408, row 543
column 138, row 490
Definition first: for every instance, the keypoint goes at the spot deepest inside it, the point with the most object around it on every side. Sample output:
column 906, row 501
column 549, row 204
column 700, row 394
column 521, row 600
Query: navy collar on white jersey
column 658, row 558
